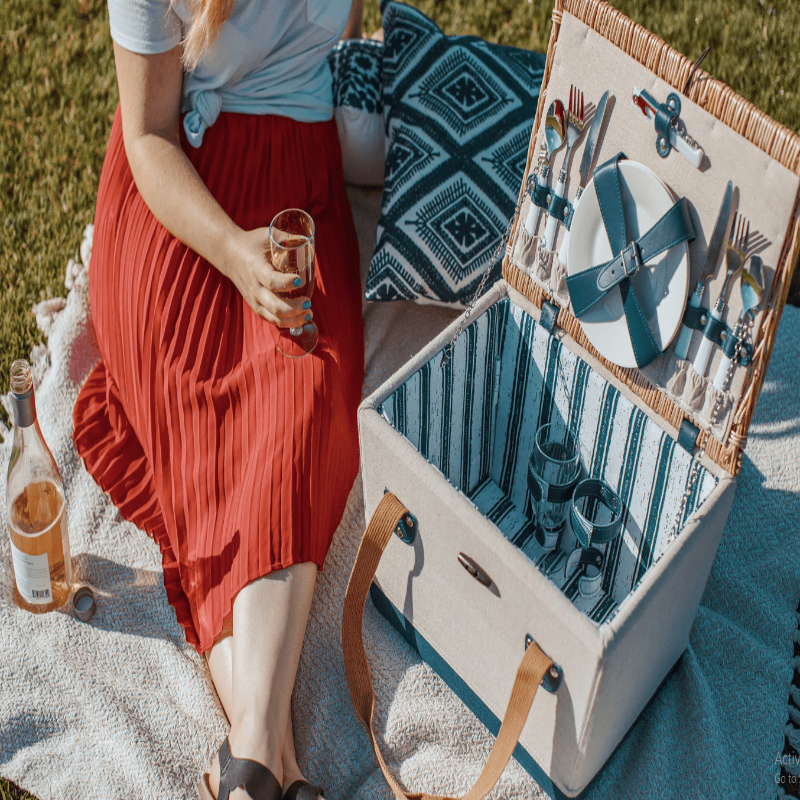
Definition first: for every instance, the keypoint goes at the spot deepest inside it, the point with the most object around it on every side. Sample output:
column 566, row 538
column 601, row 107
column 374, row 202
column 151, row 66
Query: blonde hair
column 207, row 18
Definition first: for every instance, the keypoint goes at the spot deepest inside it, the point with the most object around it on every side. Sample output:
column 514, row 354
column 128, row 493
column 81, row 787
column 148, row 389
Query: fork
column 735, row 256
column 574, row 133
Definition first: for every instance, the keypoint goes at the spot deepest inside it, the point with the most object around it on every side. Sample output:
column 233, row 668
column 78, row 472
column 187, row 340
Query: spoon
column 751, row 285
column 555, row 125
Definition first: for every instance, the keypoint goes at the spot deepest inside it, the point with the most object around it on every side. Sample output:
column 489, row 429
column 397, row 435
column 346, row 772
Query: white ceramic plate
column 661, row 286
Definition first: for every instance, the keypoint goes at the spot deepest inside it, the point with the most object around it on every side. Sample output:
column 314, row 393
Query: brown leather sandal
column 303, row 790
column 243, row 773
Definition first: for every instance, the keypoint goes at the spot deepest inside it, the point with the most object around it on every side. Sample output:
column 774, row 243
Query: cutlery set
column 737, row 260
column 586, row 165
column 562, row 125
column 574, row 133
column 565, row 125
column 554, row 128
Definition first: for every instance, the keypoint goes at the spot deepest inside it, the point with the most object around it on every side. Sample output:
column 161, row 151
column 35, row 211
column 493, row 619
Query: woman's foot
column 303, row 790
column 272, row 780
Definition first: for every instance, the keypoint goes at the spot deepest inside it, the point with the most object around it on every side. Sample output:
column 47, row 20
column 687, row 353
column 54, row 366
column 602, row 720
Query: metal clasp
column 633, row 249
column 474, row 569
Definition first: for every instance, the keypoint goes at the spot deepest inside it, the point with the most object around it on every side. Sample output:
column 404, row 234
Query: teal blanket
column 716, row 727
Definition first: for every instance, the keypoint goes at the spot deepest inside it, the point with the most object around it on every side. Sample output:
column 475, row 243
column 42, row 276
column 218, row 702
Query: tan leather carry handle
column 529, row 675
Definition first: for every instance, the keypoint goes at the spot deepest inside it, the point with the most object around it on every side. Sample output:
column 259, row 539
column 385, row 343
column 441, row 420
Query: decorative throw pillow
column 459, row 113
column 356, row 68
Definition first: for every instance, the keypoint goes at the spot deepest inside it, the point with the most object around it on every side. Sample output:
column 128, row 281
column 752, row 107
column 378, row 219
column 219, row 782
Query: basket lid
column 596, row 48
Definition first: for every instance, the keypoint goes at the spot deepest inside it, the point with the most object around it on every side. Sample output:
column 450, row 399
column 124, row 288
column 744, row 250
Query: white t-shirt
column 269, row 57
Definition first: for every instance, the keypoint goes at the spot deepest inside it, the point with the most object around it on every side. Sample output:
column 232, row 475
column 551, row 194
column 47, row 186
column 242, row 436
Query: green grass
column 10, row 791
column 58, row 93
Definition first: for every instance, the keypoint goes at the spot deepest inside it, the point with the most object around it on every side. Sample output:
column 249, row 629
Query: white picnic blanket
column 122, row 707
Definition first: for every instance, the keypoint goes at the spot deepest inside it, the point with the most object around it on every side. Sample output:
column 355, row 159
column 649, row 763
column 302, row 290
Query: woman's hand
column 150, row 93
column 247, row 263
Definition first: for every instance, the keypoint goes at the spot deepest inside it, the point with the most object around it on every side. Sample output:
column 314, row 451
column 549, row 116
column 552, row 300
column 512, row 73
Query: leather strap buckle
column 625, row 265
column 632, row 259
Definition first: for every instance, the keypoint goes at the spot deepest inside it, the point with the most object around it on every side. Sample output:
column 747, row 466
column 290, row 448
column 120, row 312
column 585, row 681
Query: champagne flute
column 291, row 237
column 553, row 471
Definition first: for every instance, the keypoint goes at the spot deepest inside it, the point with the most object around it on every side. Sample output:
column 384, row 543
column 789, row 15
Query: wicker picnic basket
column 742, row 117
column 444, row 444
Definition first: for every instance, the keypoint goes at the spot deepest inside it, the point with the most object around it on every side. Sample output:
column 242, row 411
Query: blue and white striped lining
column 475, row 421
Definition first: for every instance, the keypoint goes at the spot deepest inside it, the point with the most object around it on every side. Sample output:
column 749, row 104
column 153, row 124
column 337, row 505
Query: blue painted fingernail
column 298, row 282
column 306, row 305
column 308, row 317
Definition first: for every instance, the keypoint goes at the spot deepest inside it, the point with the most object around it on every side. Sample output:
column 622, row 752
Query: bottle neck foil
column 23, row 407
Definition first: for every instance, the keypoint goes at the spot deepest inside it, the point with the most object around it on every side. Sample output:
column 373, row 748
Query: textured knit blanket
column 122, row 707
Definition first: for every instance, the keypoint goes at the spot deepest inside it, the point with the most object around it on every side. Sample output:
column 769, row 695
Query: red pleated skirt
column 236, row 460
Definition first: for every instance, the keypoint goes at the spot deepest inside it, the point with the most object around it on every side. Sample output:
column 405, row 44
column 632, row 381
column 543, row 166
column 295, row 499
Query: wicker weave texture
column 741, row 116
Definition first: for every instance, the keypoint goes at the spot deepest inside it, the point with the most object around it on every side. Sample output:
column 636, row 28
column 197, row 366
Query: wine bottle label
column 32, row 574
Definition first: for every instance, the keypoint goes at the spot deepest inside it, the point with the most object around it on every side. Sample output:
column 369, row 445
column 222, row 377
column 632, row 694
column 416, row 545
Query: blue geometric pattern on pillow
column 356, row 68
column 458, row 113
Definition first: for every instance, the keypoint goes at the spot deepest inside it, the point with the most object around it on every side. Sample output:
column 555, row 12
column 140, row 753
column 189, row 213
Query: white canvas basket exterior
column 611, row 666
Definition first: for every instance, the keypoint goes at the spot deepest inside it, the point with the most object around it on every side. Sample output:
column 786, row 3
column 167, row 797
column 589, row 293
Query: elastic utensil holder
column 543, row 196
column 700, row 319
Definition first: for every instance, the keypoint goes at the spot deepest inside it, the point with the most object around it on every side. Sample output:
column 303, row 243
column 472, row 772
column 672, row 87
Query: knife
column 586, row 165
column 712, row 259
column 678, row 137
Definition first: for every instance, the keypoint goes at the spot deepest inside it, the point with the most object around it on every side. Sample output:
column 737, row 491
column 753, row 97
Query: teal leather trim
column 556, row 492
column 560, row 208
column 586, row 532
column 714, row 328
column 587, row 288
column 543, row 196
column 547, row 319
column 666, row 114
column 700, row 319
column 729, row 348
column 695, row 318
column 538, row 192
column 687, row 436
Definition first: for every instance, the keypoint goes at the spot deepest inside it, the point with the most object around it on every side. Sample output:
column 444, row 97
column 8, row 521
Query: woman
column 237, row 460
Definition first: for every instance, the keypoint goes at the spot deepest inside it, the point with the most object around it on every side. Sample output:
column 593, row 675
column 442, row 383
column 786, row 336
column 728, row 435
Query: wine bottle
column 35, row 507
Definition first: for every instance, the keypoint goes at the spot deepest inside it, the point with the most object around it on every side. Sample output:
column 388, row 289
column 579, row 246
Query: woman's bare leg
column 291, row 771
column 220, row 662
column 255, row 669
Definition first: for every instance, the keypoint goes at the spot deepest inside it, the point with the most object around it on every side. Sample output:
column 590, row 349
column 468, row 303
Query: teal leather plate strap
column 589, row 287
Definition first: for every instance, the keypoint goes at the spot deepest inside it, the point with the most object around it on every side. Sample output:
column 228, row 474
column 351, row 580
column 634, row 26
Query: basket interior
column 476, row 418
